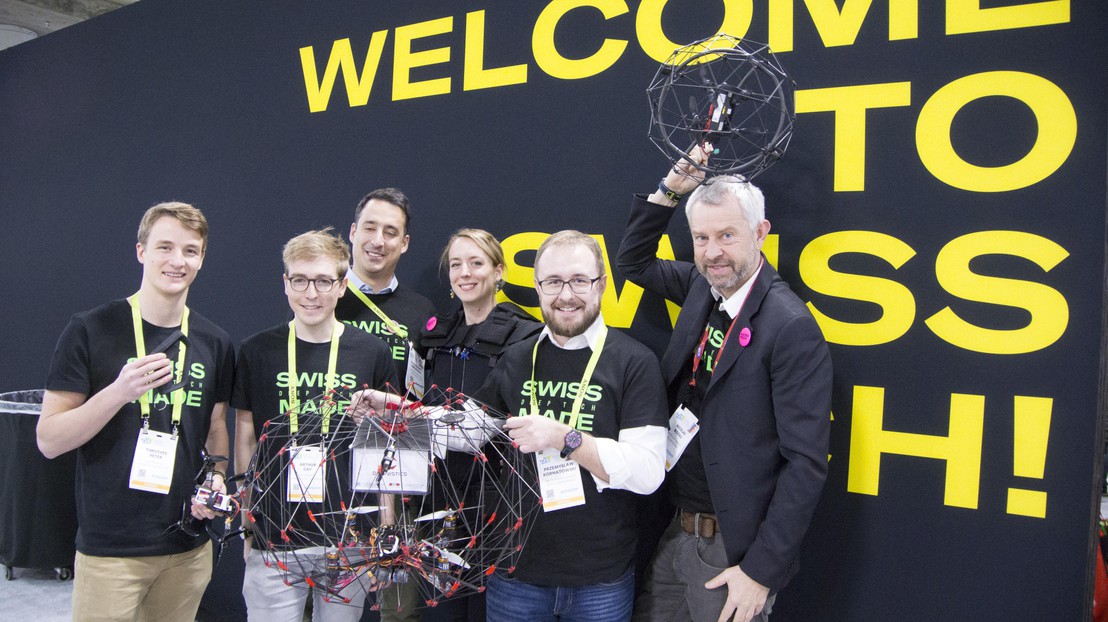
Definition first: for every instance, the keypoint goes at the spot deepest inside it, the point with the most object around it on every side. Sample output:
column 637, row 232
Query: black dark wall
column 205, row 102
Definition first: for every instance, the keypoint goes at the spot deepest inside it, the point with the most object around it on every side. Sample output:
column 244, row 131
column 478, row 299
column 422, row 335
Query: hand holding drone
column 322, row 525
column 210, row 501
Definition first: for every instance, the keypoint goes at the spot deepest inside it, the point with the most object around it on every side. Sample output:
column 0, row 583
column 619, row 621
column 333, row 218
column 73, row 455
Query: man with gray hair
column 748, row 366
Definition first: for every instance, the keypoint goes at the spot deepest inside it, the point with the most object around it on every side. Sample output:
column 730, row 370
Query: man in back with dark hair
column 377, row 303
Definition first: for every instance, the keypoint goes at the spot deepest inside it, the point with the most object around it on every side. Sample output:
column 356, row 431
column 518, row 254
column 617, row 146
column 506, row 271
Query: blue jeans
column 511, row 600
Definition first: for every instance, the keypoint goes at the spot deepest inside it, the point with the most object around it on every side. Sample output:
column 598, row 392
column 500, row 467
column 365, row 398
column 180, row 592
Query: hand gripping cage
column 388, row 504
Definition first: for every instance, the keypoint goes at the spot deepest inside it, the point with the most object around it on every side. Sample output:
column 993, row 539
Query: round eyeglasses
column 300, row 284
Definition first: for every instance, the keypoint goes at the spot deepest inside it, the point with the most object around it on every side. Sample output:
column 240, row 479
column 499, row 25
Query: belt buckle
column 696, row 525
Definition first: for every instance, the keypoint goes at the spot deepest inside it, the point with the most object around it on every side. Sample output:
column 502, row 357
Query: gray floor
column 35, row 594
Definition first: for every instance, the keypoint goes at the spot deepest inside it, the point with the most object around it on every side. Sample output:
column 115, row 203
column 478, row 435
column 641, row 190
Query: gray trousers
column 268, row 599
column 674, row 587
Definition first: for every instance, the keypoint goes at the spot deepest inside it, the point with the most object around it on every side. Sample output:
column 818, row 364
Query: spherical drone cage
column 454, row 529
column 728, row 92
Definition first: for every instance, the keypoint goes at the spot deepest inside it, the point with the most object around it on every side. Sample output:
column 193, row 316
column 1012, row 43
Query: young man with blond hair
column 325, row 354
column 139, row 420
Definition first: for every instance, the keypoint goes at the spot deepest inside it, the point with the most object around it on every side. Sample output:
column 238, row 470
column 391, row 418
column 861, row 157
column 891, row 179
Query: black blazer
column 765, row 418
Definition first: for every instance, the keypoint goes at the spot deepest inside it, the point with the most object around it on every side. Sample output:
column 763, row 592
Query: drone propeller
column 441, row 514
column 449, row 556
column 361, row 509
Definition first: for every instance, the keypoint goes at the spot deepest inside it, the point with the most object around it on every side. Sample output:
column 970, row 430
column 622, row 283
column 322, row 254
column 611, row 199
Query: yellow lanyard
column 178, row 396
column 395, row 328
column 294, row 384
column 589, row 368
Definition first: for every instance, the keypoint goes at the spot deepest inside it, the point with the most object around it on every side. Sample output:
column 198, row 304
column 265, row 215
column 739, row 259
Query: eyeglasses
column 300, row 284
column 577, row 285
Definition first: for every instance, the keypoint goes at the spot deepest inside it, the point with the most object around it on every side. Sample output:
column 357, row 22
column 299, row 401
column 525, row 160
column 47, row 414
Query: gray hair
column 714, row 190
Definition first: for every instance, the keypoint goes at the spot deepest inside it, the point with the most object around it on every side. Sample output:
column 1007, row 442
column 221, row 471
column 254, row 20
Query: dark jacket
column 765, row 418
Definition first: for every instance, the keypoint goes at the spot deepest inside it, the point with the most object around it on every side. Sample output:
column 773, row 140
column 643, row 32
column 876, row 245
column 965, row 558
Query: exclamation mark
column 1032, row 431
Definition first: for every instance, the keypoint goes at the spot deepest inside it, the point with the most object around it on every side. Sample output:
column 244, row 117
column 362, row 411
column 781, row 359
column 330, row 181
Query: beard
column 730, row 281
column 571, row 328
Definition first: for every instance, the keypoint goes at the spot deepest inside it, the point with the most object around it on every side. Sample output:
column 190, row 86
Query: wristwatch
column 572, row 442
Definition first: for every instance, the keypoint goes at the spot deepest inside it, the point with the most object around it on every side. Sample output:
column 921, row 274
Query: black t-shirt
column 113, row 519
column 594, row 542
column 687, row 481
column 262, row 387
column 403, row 305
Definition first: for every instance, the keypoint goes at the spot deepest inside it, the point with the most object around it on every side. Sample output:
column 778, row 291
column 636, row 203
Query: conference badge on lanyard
column 683, row 426
column 152, row 467
column 560, row 478
column 559, row 481
column 413, row 378
column 306, row 476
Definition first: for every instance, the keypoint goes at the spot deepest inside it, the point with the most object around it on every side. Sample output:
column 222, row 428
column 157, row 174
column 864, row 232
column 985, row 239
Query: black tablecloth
column 38, row 515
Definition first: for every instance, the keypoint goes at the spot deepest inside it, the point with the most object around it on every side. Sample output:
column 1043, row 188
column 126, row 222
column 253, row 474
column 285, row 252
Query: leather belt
column 699, row 524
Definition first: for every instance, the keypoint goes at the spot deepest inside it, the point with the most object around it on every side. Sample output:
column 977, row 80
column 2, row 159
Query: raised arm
column 637, row 259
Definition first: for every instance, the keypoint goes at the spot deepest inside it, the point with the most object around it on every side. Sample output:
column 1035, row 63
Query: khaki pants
column 166, row 588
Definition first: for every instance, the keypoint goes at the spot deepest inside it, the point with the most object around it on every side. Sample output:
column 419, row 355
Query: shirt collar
column 586, row 339
column 734, row 303
column 362, row 285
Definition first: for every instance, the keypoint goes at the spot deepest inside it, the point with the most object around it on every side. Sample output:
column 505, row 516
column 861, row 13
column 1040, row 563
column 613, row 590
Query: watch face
column 572, row 442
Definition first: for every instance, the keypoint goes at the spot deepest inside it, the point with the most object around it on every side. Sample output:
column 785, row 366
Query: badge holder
column 163, row 347
column 155, row 456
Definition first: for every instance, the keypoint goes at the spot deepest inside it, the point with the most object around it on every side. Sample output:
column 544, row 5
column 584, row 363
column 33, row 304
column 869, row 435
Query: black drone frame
column 727, row 92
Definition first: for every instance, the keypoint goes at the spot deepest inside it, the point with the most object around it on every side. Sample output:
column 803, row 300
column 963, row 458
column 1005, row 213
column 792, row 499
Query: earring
column 499, row 285
column 452, row 293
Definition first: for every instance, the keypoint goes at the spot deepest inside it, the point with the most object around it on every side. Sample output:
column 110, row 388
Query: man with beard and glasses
column 749, row 379
column 590, row 405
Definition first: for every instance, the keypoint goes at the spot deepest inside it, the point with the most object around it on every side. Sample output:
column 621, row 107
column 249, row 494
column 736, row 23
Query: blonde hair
column 314, row 244
column 570, row 237
column 189, row 217
column 484, row 240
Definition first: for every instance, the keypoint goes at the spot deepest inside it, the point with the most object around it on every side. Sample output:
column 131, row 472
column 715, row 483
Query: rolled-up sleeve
column 634, row 462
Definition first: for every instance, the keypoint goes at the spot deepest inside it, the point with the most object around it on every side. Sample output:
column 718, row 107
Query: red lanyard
column 698, row 353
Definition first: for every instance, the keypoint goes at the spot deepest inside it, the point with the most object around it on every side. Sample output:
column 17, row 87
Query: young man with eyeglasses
column 139, row 387
column 590, row 404
column 291, row 367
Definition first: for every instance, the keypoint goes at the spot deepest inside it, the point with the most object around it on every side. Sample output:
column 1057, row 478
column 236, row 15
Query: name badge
column 152, row 467
column 559, row 481
column 306, row 476
column 413, row 378
column 683, row 426
column 385, row 470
